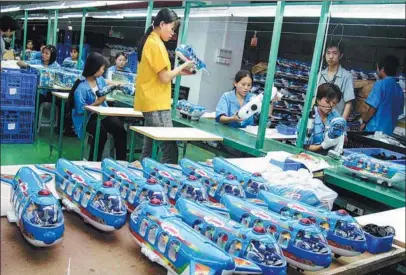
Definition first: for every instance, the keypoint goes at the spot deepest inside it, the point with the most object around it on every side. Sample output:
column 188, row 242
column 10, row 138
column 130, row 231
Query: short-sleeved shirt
column 84, row 95
column 388, row 99
column 228, row 105
column 2, row 46
column 54, row 66
column 343, row 79
column 113, row 69
column 317, row 136
column 151, row 94
column 69, row 63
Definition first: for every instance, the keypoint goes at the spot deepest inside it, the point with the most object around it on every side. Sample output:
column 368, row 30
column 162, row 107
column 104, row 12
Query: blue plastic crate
column 133, row 62
column 376, row 245
column 288, row 164
column 16, row 125
column 375, row 151
column 286, row 130
column 18, row 88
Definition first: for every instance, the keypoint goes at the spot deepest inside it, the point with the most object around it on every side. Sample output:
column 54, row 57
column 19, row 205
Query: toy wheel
column 354, row 175
column 386, row 184
column 337, row 256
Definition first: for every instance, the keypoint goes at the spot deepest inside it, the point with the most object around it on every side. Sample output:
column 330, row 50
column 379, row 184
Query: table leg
column 61, row 126
column 51, row 133
column 132, row 145
column 82, row 144
column 36, row 115
column 155, row 144
column 97, row 137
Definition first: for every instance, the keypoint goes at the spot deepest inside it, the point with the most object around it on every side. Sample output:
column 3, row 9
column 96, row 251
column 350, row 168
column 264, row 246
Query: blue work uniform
column 388, row 99
column 84, row 96
column 319, row 128
column 69, row 63
column 228, row 105
column 53, row 66
column 113, row 69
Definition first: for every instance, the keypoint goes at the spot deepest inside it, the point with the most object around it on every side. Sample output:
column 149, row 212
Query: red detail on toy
column 305, row 221
column 342, row 212
column 257, row 174
column 44, row 192
column 230, row 177
column 151, row 181
column 107, row 184
column 156, row 201
column 312, row 219
column 259, row 229
column 191, row 177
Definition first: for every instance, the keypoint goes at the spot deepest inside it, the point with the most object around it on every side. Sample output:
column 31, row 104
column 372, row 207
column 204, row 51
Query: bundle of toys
column 190, row 110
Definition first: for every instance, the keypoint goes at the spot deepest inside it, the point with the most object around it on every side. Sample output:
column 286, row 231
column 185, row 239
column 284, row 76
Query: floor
column 38, row 152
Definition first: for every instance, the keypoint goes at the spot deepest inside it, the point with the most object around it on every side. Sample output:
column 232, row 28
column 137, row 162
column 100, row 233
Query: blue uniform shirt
column 229, row 105
column 113, row 69
column 388, row 100
column 53, row 66
column 317, row 136
column 84, row 95
column 69, row 63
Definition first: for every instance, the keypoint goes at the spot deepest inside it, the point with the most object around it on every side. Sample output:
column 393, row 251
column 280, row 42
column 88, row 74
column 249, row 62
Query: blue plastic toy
column 382, row 172
column 303, row 244
column 177, row 186
column 186, row 53
column 250, row 244
column 165, row 239
column 97, row 202
column 342, row 231
column 35, row 210
column 337, row 127
column 134, row 189
column 189, row 110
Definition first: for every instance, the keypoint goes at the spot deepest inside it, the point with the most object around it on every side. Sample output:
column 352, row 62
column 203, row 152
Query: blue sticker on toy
column 186, row 53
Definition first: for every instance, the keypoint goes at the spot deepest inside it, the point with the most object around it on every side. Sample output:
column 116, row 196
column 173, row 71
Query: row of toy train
column 242, row 228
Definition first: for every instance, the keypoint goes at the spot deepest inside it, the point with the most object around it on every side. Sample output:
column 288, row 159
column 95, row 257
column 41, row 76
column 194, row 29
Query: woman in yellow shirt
column 153, row 86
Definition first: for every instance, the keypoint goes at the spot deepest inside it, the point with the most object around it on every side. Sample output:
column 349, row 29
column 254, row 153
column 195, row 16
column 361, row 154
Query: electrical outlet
column 354, row 209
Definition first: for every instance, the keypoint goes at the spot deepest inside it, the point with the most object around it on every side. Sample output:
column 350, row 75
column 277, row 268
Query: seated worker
column 48, row 61
column 73, row 61
column 386, row 100
column 85, row 92
column 121, row 62
column 232, row 101
column 328, row 96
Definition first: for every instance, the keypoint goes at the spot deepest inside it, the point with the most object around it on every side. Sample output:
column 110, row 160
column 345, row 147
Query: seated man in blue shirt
column 386, row 100
column 232, row 101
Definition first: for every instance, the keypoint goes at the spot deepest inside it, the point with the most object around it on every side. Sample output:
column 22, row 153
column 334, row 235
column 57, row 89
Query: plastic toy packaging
column 301, row 186
column 65, row 79
column 127, row 89
column 46, row 77
column 35, row 55
column 190, row 110
column 69, row 64
column 186, row 53
column 123, row 77
column 255, row 104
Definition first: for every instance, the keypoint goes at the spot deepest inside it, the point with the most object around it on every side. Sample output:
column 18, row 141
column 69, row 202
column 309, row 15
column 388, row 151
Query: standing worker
column 336, row 74
column 386, row 100
column 153, row 87
column 7, row 26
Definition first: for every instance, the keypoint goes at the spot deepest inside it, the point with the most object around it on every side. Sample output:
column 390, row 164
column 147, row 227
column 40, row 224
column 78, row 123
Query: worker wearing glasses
column 328, row 96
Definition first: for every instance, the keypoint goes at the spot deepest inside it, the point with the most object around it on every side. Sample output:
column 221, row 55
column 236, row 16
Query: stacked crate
column 17, row 114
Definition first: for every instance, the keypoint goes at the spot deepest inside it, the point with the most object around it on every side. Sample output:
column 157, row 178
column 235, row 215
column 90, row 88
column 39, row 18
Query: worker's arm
column 166, row 76
column 347, row 110
column 370, row 113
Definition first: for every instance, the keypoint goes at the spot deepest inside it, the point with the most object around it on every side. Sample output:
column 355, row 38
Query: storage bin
column 286, row 130
column 18, row 88
column 376, row 245
column 16, row 125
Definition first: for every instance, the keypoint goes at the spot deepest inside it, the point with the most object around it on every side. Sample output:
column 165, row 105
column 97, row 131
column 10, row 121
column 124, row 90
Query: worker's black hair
column 389, row 64
column 329, row 91
column 53, row 51
column 337, row 44
column 74, row 47
column 93, row 63
column 165, row 15
column 120, row 54
column 8, row 23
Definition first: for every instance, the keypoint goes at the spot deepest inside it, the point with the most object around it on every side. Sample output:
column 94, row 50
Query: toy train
column 185, row 53
column 303, row 244
column 35, row 209
column 250, row 244
column 189, row 110
column 342, row 231
column 366, row 167
column 165, row 239
column 97, row 202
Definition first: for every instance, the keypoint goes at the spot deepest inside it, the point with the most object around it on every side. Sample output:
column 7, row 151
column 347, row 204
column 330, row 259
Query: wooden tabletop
column 394, row 217
column 175, row 133
column 114, row 111
column 66, row 95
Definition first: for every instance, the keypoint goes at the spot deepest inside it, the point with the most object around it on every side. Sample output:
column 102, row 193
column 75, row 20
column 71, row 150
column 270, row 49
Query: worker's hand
column 100, row 100
column 189, row 64
column 236, row 118
column 21, row 64
column 328, row 142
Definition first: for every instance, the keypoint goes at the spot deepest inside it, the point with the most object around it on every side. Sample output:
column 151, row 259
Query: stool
column 109, row 151
column 46, row 122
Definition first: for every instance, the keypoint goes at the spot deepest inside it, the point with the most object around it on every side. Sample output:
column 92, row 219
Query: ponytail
column 71, row 98
column 142, row 42
column 165, row 15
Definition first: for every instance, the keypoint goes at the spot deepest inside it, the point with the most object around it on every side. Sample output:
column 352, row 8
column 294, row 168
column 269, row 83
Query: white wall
column 207, row 35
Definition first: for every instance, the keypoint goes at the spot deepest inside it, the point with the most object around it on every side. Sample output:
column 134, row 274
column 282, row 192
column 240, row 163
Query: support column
column 82, row 36
column 149, row 15
column 312, row 85
column 25, row 33
column 55, row 35
column 49, row 28
column 270, row 75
